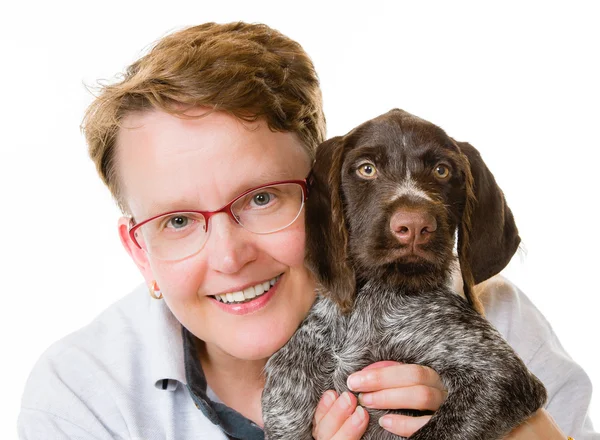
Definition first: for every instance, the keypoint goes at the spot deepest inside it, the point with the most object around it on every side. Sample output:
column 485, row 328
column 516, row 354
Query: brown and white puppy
column 386, row 203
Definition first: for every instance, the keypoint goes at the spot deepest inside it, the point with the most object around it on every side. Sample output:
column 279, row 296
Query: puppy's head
column 386, row 202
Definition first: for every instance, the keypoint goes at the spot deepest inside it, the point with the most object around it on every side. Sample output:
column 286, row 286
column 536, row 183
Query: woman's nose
column 229, row 246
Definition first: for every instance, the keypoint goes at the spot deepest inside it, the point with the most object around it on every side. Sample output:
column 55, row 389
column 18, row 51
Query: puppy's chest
column 393, row 325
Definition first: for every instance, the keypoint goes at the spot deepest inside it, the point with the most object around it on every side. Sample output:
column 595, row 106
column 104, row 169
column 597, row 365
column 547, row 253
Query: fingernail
column 365, row 399
column 358, row 416
column 385, row 422
column 346, row 399
column 354, row 381
column 328, row 398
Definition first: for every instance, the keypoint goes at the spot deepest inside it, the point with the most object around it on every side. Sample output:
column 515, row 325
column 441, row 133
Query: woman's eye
column 367, row 170
column 441, row 171
column 177, row 222
column 261, row 199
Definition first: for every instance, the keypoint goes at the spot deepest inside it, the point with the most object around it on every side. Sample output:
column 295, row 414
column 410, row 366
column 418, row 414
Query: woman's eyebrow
column 160, row 207
column 273, row 175
column 194, row 204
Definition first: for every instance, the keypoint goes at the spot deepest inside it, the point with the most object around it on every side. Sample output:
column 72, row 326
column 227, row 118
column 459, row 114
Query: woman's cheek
column 290, row 247
column 179, row 279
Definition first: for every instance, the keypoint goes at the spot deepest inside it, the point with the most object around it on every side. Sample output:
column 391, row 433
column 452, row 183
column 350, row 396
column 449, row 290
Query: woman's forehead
column 168, row 163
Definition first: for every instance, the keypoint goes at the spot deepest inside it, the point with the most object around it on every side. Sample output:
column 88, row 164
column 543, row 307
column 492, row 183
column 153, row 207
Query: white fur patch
column 410, row 189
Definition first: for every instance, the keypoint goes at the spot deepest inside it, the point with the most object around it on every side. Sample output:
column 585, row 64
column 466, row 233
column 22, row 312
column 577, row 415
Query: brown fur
column 487, row 234
column 380, row 240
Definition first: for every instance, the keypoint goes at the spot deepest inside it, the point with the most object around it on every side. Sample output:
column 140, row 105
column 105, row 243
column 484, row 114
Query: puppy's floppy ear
column 326, row 233
column 489, row 234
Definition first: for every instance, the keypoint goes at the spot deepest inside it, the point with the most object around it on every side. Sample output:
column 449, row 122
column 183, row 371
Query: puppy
column 386, row 203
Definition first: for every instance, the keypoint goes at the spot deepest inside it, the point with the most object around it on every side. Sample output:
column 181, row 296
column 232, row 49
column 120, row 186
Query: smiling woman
column 204, row 129
column 160, row 159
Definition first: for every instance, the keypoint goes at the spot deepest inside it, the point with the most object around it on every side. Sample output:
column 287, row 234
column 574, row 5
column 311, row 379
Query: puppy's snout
column 413, row 227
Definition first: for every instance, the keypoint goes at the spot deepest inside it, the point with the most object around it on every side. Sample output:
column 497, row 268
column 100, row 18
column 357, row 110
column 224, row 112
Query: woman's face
column 167, row 163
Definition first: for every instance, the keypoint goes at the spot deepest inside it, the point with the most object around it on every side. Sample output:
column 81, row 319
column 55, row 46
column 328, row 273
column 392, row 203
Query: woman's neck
column 237, row 383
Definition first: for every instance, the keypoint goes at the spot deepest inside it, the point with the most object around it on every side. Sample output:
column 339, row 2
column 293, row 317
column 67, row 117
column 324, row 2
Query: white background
column 520, row 81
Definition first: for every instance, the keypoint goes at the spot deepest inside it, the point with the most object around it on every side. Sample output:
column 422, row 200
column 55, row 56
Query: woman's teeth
column 248, row 293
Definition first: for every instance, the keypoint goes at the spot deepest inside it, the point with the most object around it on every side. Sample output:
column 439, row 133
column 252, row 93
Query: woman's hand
column 540, row 426
column 383, row 385
column 339, row 418
column 393, row 385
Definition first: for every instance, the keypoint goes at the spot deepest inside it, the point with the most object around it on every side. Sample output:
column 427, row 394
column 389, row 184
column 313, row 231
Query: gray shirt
column 132, row 374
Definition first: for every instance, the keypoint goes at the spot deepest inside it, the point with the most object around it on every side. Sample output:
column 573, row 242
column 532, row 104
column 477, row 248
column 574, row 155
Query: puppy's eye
column 367, row 170
column 441, row 171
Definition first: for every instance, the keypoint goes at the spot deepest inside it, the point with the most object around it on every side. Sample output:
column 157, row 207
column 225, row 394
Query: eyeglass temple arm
column 310, row 180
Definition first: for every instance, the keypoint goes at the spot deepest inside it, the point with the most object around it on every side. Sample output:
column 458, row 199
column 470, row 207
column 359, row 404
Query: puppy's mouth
column 406, row 271
column 414, row 255
column 406, row 263
column 413, row 263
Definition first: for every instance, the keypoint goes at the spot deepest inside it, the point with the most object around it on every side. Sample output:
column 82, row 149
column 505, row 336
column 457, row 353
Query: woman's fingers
column 383, row 385
column 404, row 426
column 420, row 397
column 354, row 427
column 339, row 419
column 333, row 419
column 392, row 385
column 324, row 406
column 393, row 376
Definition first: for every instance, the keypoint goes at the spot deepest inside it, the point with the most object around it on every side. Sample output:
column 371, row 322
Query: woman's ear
column 139, row 256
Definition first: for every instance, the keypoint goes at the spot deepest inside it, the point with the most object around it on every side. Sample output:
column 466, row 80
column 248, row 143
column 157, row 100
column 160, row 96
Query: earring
column 155, row 291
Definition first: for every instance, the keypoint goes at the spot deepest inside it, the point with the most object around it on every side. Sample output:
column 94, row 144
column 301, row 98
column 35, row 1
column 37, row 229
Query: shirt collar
column 167, row 358
column 173, row 348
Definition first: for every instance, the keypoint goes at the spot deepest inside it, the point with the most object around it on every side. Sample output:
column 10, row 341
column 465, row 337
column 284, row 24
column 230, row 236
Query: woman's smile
column 250, row 299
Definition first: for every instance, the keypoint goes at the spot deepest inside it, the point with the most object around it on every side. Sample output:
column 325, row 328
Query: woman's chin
column 258, row 345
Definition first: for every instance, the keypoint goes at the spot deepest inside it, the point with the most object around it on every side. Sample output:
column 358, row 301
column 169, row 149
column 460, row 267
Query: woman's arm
column 398, row 385
column 528, row 332
column 540, row 426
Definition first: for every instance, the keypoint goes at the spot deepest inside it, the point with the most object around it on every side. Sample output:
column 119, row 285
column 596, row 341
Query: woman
column 219, row 116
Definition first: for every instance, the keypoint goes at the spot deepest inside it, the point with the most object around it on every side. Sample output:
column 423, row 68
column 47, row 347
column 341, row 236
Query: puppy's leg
column 490, row 390
column 478, row 409
column 299, row 373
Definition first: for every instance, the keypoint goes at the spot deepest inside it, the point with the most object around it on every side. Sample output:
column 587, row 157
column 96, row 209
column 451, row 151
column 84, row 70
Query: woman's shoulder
column 106, row 346
column 514, row 315
column 532, row 337
column 107, row 373
column 105, row 339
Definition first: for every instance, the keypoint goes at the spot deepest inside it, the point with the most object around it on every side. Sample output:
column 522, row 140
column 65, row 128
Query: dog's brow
column 367, row 151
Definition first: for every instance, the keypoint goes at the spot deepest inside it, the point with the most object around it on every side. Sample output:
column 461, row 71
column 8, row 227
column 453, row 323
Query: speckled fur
column 490, row 390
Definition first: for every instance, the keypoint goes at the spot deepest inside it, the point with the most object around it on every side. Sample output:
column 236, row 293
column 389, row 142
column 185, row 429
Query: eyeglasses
column 265, row 209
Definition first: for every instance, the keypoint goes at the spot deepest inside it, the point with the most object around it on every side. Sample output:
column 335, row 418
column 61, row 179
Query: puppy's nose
column 413, row 227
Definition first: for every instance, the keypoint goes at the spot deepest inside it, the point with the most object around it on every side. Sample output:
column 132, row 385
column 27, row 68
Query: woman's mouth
column 248, row 294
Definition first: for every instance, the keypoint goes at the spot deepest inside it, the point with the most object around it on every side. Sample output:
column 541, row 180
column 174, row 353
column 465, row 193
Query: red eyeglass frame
column 304, row 183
